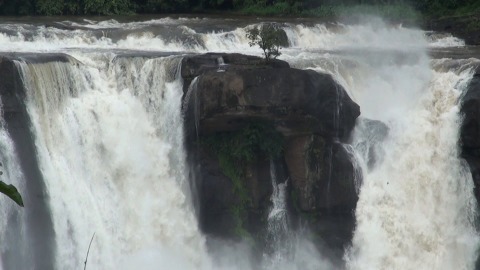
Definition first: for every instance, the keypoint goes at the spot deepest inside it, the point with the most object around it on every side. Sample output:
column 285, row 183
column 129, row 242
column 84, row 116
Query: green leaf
column 11, row 192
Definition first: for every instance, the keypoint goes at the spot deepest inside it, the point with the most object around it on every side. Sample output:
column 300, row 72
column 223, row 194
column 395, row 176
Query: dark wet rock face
column 8, row 87
column 225, row 93
column 217, row 197
column 322, row 175
column 471, row 123
column 470, row 130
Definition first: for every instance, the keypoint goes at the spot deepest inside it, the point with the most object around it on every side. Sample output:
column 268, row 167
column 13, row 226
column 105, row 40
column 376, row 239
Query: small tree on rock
column 268, row 38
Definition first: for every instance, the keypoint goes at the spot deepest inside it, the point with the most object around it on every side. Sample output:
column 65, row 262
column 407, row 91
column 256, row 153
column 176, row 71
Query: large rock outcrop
column 470, row 130
column 298, row 101
column 224, row 93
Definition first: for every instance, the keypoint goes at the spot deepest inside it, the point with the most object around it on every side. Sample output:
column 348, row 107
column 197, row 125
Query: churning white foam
column 416, row 208
column 111, row 34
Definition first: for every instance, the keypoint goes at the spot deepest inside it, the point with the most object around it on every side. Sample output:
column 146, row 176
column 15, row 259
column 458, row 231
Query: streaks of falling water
column 109, row 166
column 278, row 229
column 416, row 209
column 358, row 166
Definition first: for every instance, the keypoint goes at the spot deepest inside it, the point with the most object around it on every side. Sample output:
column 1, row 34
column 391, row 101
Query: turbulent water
column 108, row 135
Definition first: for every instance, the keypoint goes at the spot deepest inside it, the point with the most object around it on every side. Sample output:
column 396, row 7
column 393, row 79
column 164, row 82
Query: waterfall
column 110, row 167
column 107, row 127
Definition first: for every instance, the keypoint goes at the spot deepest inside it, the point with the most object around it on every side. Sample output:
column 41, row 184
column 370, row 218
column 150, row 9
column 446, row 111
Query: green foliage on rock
column 235, row 150
column 245, row 145
column 268, row 37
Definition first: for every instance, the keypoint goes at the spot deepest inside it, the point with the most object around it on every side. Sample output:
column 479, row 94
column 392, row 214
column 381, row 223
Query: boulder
column 315, row 115
column 297, row 101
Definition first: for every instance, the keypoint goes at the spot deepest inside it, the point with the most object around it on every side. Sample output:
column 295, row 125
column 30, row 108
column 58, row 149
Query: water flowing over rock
column 41, row 249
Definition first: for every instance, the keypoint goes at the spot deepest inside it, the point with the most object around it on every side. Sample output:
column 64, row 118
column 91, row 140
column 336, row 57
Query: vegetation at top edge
column 394, row 9
column 235, row 151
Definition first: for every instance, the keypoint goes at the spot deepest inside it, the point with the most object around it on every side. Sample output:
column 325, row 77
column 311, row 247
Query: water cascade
column 416, row 201
column 107, row 127
column 87, row 128
column 416, row 209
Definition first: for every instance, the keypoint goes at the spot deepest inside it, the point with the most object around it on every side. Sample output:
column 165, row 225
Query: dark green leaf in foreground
column 11, row 192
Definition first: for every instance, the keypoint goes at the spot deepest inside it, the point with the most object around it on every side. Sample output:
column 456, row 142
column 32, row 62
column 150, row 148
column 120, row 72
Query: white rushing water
column 206, row 35
column 416, row 208
column 110, row 168
column 109, row 139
